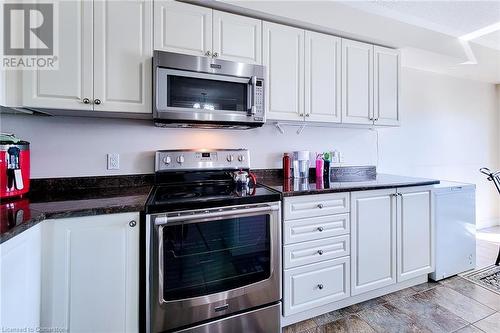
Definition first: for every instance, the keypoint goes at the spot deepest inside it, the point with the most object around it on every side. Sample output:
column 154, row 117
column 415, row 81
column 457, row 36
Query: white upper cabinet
column 373, row 240
column 237, row 38
column 123, row 53
column 69, row 87
column 415, row 233
column 284, row 58
column 322, row 77
column 387, row 65
column 91, row 273
column 357, row 82
column 182, row 28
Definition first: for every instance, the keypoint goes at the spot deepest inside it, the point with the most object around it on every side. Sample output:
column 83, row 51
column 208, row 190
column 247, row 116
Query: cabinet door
column 91, row 273
column 415, row 233
column 322, row 77
column 237, row 38
column 386, row 85
column 284, row 59
column 20, row 273
column 122, row 55
column 182, row 28
column 373, row 240
column 71, row 83
column 357, row 82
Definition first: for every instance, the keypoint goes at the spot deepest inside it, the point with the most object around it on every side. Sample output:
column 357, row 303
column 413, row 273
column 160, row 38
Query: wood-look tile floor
column 451, row 305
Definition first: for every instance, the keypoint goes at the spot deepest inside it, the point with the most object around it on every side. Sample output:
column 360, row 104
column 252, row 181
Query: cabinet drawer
column 319, row 250
column 316, row 228
column 315, row 205
column 315, row 285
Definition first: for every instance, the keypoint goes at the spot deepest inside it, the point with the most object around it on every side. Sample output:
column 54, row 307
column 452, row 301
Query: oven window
column 195, row 93
column 209, row 257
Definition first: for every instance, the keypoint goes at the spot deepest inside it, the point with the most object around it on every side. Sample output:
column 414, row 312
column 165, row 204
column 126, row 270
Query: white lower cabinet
column 90, row 278
column 373, row 239
column 314, row 285
column 415, row 233
column 20, row 271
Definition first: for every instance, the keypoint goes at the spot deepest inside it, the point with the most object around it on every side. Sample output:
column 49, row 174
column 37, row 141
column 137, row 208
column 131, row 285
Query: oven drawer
column 315, row 285
column 316, row 228
column 315, row 205
column 314, row 251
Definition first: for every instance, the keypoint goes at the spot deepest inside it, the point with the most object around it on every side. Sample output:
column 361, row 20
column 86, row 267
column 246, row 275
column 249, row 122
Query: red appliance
column 14, row 166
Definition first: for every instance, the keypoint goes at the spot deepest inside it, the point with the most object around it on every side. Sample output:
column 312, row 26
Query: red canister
column 14, row 166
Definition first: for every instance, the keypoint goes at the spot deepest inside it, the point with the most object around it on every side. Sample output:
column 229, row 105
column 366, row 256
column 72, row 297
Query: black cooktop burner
column 186, row 196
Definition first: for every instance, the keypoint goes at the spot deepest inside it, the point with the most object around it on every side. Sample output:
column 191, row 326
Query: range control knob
column 241, row 158
column 167, row 160
column 230, row 158
column 180, row 159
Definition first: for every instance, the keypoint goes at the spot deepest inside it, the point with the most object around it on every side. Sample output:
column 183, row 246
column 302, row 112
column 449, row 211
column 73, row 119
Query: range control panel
column 203, row 159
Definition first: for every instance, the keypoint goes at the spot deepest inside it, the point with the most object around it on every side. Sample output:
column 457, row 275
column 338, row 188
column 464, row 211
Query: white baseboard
column 488, row 223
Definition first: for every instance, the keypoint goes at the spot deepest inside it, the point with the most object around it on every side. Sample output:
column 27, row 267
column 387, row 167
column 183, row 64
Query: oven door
column 212, row 263
column 194, row 97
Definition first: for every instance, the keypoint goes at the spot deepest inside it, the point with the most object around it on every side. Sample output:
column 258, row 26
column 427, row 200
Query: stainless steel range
column 213, row 243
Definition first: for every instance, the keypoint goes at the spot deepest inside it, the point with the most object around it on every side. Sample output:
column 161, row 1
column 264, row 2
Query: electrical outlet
column 341, row 157
column 113, row 161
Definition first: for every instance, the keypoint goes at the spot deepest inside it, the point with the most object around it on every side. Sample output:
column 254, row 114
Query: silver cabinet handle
column 307, row 114
column 132, row 223
column 320, row 229
column 320, row 252
column 86, row 100
column 320, row 206
column 320, row 286
column 208, row 53
column 215, row 55
column 97, row 101
column 301, row 115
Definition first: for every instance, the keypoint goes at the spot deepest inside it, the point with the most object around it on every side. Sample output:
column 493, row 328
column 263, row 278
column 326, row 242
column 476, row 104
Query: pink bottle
column 319, row 166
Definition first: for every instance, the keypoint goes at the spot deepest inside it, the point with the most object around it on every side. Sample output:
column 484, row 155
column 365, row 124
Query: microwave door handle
column 251, row 100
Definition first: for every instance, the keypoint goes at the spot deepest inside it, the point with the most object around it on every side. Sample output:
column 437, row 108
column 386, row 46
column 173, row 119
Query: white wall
column 450, row 129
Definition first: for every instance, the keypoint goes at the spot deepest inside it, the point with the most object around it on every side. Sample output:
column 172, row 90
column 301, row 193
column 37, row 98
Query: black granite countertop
column 52, row 199
column 294, row 187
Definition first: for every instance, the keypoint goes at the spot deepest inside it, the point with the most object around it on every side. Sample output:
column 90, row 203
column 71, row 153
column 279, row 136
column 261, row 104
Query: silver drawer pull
column 320, row 286
column 320, row 206
column 320, row 229
column 320, row 252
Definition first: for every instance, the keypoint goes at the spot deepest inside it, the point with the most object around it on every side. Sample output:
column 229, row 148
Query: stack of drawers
column 316, row 251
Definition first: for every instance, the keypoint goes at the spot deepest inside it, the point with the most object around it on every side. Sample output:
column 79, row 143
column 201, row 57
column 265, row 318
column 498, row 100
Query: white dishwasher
column 455, row 220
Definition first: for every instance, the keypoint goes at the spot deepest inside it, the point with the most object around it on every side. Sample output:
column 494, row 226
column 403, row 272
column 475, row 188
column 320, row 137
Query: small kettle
column 241, row 177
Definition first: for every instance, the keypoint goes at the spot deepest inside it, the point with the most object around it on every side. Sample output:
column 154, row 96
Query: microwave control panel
column 259, row 99
column 178, row 160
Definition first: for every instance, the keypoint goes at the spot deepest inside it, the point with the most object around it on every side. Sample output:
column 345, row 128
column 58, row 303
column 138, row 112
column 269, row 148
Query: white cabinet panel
column 315, row 251
column 183, row 28
column 373, row 239
column 315, row 205
column 415, row 233
column 322, row 77
column 308, row 229
column 91, row 274
column 67, row 87
column 315, row 285
column 283, row 55
column 237, row 38
column 122, row 61
column 20, row 272
column 387, row 67
column 357, row 82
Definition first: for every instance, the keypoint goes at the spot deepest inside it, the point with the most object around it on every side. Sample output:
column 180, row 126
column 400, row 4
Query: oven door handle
column 162, row 220
column 252, row 98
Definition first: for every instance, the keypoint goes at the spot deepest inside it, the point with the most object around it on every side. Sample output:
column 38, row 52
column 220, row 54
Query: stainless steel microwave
column 192, row 91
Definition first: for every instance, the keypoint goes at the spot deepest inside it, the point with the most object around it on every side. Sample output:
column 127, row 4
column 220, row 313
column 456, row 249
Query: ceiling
column 427, row 32
column 454, row 18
